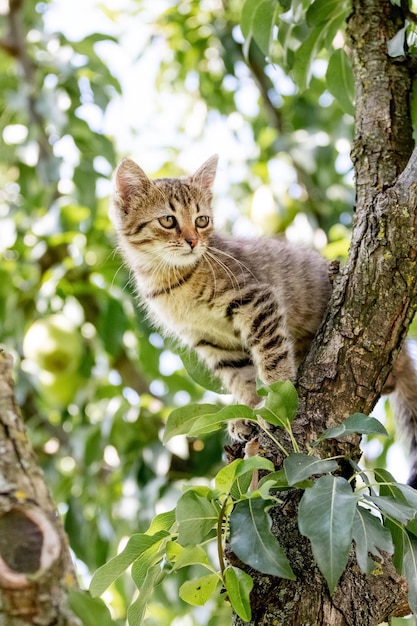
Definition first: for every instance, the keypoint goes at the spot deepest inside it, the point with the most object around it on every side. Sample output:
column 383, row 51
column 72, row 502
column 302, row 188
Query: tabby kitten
column 247, row 307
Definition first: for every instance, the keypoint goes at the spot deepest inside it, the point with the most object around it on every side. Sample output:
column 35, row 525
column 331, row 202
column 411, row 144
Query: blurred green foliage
column 96, row 393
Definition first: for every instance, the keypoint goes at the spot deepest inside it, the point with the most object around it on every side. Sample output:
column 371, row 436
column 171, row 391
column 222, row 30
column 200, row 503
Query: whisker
column 227, row 270
column 230, row 256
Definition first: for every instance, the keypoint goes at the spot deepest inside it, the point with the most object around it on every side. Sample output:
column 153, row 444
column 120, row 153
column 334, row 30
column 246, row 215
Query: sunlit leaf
column 137, row 546
column 282, row 403
column 199, row 372
column 91, row 611
column 196, row 517
column 340, row 83
column 229, row 473
column 238, row 586
column 210, row 423
column 320, row 12
column 181, row 420
column 197, row 591
column 136, row 611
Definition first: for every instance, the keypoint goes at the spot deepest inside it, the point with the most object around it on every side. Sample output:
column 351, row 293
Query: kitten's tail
column 404, row 403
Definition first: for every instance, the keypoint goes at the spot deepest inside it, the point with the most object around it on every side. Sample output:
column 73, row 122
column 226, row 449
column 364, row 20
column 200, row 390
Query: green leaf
column 226, row 477
column 91, row 611
column 181, row 420
column 198, row 371
column 210, row 423
column 340, row 82
column 326, row 517
column 305, row 56
column 391, row 507
column 263, row 23
column 388, row 486
column 252, row 541
column 282, row 402
column 196, row 517
column 238, row 586
column 299, row 466
column 370, row 536
column 194, row 555
column 196, row 592
column 257, row 21
column 397, row 534
column 136, row 611
column 138, row 545
column 323, row 11
column 410, row 570
column 358, row 423
column 325, row 26
column 162, row 521
column 279, row 477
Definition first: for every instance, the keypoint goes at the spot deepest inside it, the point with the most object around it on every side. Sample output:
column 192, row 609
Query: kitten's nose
column 192, row 241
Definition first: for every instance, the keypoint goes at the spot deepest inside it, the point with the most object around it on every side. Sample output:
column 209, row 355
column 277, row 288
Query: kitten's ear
column 130, row 180
column 206, row 174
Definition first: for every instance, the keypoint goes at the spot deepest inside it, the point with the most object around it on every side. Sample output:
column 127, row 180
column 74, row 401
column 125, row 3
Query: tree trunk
column 373, row 303
column 35, row 564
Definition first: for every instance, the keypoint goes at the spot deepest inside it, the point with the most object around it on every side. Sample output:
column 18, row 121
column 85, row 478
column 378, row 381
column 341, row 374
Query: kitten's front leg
column 238, row 375
column 261, row 321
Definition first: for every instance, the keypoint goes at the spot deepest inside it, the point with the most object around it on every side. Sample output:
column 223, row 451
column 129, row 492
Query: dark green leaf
column 410, row 569
column 326, row 517
column 252, row 541
column 356, row 423
column 300, row 466
column 391, row 507
column 370, row 536
column 398, row 491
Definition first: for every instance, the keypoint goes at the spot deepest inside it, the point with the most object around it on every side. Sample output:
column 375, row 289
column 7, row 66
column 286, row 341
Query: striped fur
column 248, row 307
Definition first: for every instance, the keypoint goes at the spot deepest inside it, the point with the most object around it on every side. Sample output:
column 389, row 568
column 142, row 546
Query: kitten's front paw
column 242, row 430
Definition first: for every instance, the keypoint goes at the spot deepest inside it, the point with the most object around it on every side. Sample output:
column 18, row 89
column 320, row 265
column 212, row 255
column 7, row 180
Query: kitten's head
column 166, row 219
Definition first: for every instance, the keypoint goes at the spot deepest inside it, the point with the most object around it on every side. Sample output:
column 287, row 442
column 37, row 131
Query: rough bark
column 35, row 564
column 374, row 300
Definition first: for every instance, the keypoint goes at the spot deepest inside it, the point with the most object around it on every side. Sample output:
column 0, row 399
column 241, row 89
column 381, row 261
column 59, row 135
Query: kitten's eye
column 168, row 221
column 202, row 221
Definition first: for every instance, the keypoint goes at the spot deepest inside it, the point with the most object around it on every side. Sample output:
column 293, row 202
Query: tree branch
column 35, row 564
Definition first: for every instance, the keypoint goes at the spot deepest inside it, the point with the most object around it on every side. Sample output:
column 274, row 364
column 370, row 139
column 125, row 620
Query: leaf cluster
column 375, row 519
